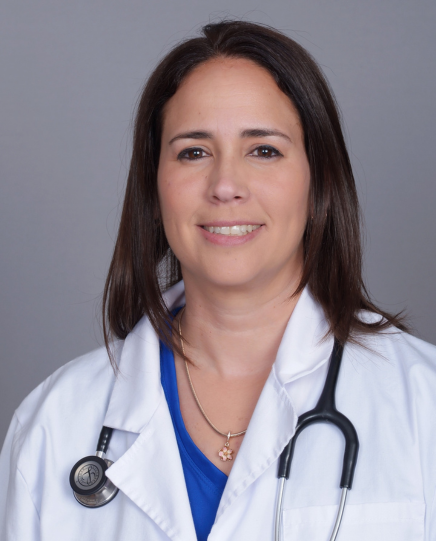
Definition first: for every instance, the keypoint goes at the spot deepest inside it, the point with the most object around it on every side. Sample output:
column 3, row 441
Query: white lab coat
column 388, row 392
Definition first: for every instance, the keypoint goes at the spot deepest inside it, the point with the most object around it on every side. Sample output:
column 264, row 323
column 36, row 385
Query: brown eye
column 266, row 152
column 194, row 153
column 191, row 154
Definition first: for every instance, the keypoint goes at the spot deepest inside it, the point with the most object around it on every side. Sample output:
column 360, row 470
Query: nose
column 227, row 181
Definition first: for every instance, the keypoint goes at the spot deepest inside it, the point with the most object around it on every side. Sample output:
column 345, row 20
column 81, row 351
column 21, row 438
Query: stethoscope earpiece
column 88, row 480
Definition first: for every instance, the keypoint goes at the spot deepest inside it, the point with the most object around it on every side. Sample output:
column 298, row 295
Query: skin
column 232, row 151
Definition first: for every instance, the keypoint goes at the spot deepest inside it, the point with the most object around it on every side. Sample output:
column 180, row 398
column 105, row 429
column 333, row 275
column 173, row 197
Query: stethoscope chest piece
column 88, row 479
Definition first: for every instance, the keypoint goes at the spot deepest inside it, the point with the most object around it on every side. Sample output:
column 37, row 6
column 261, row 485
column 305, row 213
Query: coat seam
column 30, row 493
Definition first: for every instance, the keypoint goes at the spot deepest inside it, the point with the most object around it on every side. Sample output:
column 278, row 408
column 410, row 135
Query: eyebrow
column 253, row 132
column 192, row 135
column 262, row 132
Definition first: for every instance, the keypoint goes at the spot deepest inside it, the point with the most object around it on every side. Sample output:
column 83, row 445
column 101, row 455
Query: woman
column 240, row 184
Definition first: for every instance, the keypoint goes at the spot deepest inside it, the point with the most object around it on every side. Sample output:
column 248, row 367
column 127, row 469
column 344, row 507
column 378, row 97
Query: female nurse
column 237, row 266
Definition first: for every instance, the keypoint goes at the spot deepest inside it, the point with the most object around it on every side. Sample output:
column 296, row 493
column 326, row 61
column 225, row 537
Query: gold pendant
column 226, row 453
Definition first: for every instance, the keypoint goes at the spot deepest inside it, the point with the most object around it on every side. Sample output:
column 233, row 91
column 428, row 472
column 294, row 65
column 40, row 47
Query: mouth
column 232, row 230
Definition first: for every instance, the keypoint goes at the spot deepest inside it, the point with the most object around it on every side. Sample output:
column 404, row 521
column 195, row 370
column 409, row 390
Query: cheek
column 165, row 199
column 288, row 200
column 170, row 196
column 300, row 203
column 299, row 192
column 299, row 208
column 170, row 211
column 177, row 202
column 181, row 193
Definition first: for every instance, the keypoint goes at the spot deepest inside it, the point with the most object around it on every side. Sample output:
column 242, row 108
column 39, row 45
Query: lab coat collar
column 305, row 345
column 137, row 390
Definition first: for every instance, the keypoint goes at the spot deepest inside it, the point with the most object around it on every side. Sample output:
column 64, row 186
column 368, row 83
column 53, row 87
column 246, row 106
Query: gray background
column 71, row 73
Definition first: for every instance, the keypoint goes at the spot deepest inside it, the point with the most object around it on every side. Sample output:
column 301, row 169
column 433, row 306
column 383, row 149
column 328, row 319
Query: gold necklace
column 225, row 453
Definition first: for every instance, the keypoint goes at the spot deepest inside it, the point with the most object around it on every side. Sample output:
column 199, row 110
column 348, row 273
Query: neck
column 236, row 333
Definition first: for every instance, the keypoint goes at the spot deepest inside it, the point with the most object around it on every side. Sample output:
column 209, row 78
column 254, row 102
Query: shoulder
column 415, row 359
column 55, row 424
column 398, row 344
column 394, row 357
column 77, row 393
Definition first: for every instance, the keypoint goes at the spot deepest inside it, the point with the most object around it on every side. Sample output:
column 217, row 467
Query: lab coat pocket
column 396, row 521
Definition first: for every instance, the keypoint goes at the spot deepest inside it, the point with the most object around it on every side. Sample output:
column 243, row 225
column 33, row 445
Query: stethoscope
column 93, row 489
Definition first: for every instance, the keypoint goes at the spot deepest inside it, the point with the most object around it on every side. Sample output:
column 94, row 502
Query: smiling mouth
column 234, row 230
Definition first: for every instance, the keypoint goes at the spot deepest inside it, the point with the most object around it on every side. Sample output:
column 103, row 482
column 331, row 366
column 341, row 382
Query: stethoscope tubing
column 279, row 505
column 324, row 411
column 340, row 514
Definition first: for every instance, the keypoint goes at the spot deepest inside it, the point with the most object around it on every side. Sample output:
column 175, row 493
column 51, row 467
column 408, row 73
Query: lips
column 230, row 233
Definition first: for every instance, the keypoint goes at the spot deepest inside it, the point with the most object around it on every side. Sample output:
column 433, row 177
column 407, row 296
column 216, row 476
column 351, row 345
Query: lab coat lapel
column 150, row 472
column 303, row 349
column 271, row 427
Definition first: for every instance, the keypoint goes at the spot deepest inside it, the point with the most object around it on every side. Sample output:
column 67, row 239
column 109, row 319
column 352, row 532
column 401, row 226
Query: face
column 233, row 177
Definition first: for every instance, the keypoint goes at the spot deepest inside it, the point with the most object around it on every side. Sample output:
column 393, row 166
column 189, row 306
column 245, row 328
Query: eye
column 266, row 152
column 191, row 154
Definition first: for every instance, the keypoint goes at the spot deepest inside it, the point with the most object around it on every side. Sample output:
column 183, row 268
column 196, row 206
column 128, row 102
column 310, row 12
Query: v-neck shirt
column 205, row 483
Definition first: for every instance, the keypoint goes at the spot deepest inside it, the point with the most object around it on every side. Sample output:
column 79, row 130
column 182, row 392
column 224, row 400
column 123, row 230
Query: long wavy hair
column 143, row 265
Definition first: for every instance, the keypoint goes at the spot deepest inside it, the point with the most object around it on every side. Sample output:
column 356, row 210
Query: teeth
column 236, row 230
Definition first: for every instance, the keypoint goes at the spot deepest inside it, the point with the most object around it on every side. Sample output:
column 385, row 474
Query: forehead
column 229, row 91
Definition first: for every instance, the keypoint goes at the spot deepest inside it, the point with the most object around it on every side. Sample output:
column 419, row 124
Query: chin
column 237, row 277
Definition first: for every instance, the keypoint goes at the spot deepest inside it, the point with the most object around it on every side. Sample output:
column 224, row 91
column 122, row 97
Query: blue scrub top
column 204, row 481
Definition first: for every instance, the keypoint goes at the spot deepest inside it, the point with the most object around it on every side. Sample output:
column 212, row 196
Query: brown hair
column 143, row 264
